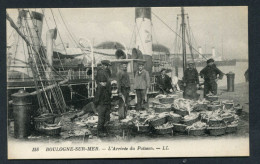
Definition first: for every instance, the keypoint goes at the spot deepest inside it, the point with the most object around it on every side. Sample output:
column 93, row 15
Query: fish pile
column 89, row 121
column 164, row 126
column 197, row 125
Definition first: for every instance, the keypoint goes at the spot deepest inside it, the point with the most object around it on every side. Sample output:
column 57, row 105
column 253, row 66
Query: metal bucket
column 22, row 114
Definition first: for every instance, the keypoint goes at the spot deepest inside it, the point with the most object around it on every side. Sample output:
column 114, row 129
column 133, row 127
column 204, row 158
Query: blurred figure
column 246, row 75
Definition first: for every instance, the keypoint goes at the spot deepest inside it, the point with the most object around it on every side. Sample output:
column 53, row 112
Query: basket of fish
column 179, row 127
column 142, row 127
column 158, row 119
column 52, row 130
column 228, row 104
column 113, row 125
column 162, row 108
column 201, row 105
column 238, row 108
column 182, row 106
column 216, row 131
column 190, row 119
column 196, row 129
column 174, row 118
column 212, row 97
column 212, row 118
column 227, row 117
column 164, row 129
column 232, row 127
column 214, row 106
column 168, row 99
column 43, row 119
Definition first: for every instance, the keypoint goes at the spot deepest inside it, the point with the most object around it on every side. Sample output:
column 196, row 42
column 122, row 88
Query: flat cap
column 140, row 62
column 163, row 69
column 105, row 62
column 210, row 60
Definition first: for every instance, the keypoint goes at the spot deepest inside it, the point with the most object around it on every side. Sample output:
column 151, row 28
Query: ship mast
column 183, row 26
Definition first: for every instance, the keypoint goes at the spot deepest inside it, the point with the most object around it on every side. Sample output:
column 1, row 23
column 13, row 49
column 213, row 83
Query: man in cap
column 190, row 81
column 102, row 98
column 123, row 83
column 141, row 85
column 211, row 75
column 164, row 82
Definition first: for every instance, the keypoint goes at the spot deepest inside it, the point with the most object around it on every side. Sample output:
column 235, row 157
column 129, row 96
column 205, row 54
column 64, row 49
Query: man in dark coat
column 211, row 75
column 190, row 82
column 102, row 98
column 123, row 83
column 164, row 82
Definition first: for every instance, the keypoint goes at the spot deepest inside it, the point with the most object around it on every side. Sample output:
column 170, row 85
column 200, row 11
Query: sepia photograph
column 130, row 82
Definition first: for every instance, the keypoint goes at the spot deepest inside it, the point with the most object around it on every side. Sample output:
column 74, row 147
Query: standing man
column 123, row 84
column 211, row 75
column 102, row 98
column 190, row 82
column 141, row 85
column 164, row 82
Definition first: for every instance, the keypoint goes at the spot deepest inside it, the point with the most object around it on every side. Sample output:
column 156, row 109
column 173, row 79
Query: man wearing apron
column 190, row 82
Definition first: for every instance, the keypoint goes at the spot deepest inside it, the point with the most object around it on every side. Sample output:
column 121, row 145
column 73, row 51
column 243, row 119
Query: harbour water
column 239, row 69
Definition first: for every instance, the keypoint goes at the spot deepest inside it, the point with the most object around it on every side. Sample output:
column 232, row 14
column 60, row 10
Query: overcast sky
column 210, row 25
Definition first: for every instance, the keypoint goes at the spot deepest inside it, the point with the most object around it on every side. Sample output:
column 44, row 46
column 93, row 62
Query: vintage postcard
column 137, row 82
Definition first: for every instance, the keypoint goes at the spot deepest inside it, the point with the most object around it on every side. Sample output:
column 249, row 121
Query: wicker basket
column 158, row 121
column 216, row 131
column 214, row 107
column 201, row 107
column 39, row 121
column 196, row 132
column 52, row 132
column 212, row 98
column 168, row 130
column 238, row 109
column 214, row 123
column 229, row 119
column 181, row 112
column 179, row 128
column 231, row 128
column 166, row 100
column 173, row 119
column 190, row 122
column 162, row 109
column 228, row 105
column 113, row 126
column 142, row 128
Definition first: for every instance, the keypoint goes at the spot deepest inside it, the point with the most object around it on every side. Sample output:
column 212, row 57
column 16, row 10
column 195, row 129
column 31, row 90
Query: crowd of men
column 103, row 94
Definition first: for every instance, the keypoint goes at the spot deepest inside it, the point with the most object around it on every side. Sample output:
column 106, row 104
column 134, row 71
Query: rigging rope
column 67, row 27
column 130, row 44
column 175, row 32
column 140, row 35
column 60, row 39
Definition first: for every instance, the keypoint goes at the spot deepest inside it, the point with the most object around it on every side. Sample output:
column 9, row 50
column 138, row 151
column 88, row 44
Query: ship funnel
column 50, row 36
column 143, row 35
